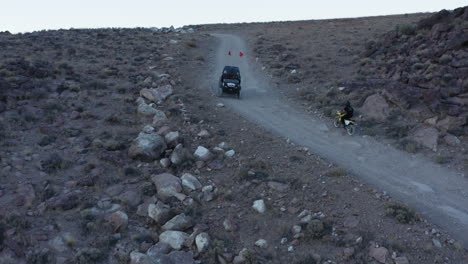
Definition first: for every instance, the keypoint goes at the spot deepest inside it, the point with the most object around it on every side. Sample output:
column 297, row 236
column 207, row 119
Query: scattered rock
column 379, row 254
column 190, row 182
column 159, row 212
column 158, row 249
column 427, row 137
column 147, row 147
column 167, row 185
column 452, row 140
column 436, row 243
column 25, row 195
column 180, row 222
column 172, row 138
column 146, row 110
column 348, row 253
column 202, row 241
column 277, row 186
column 376, row 107
column 230, row 153
column 203, row 154
column 159, row 118
column 261, row 243
column 204, row 134
column 401, row 260
column 229, row 225
column 181, row 257
column 165, row 163
column 130, row 198
column 174, row 238
column 140, row 258
column 119, row 221
column 180, row 155
column 259, row 206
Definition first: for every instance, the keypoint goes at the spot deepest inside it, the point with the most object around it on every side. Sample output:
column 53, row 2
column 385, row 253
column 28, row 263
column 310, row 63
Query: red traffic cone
column 229, row 53
column 241, row 54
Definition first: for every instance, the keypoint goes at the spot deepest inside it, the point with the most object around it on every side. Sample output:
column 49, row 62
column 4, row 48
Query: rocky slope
column 110, row 154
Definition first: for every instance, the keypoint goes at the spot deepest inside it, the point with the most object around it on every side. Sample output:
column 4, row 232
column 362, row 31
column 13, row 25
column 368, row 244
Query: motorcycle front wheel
column 350, row 130
column 337, row 123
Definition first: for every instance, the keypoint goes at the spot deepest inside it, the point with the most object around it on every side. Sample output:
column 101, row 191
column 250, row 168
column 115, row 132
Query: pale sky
column 30, row 15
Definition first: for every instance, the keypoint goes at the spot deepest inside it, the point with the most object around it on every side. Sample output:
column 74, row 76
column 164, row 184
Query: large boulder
column 167, row 185
column 147, row 147
column 159, row 118
column 157, row 94
column 375, row 107
column 426, row 136
column 175, row 239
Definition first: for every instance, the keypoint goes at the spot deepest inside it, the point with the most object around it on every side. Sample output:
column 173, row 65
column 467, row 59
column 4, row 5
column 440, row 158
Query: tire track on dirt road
column 437, row 193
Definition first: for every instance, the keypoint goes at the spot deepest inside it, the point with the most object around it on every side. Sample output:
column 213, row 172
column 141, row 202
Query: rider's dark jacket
column 348, row 112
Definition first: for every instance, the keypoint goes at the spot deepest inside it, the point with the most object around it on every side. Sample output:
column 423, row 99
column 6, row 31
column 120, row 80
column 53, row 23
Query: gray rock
column 202, row 153
column 436, row 243
column 376, row 107
column 130, row 198
column 379, row 254
column 119, row 221
column 230, row 153
column 174, row 238
column 401, row 260
column 142, row 209
column 58, row 244
column 181, row 257
column 261, row 243
column 158, row 249
column 146, row 110
column 159, row 118
column 159, row 212
column 172, row 138
column 147, row 147
column 202, row 241
column 426, row 136
column 204, row 134
column 148, row 129
column 148, row 94
column 452, row 140
column 180, row 222
column 167, row 185
column 278, row 186
column 190, row 182
column 180, row 155
column 259, row 206
column 140, row 258
column 163, row 92
column 229, row 225
column 165, row 163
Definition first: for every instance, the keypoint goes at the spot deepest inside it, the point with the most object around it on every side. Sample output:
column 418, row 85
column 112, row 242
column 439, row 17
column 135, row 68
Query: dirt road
column 439, row 194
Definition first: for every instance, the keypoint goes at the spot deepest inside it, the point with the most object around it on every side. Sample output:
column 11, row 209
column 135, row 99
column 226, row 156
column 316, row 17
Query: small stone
column 159, row 212
column 229, row 225
column 158, row 249
column 290, row 249
column 379, row 254
column 204, row 134
column 203, row 153
column 296, row 229
column 167, row 185
column 174, row 238
column 348, row 253
column 148, row 129
column 190, row 182
column 259, row 206
column 140, row 258
column 401, row 260
column 261, row 243
column 284, row 240
column 436, row 243
column 202, row 241
column 230, row 153
column 220, row 105
column 172, row 138
column 118, row 221
column 165, row 163
column 179, row 222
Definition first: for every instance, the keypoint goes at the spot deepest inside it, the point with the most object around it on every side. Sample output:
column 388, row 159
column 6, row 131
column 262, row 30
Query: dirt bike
column 349, row 125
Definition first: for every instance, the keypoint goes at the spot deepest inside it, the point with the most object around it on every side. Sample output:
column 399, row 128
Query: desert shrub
column 53, row 163
column 88, row 255
column 191, row 44
column 337, row 172
column 441, row 159
column 307, row 260
column 402, row 213
column 406, row 29
column 315, row 229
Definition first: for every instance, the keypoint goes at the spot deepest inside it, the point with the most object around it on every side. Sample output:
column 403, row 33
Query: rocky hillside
column 111, row 153
column 422, row 70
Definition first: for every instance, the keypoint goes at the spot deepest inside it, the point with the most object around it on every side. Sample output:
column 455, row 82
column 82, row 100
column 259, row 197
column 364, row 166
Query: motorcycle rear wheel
column 350, row 129
column 337, row 123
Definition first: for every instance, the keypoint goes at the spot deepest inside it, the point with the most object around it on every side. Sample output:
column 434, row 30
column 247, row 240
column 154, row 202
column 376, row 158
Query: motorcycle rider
column 347, row 113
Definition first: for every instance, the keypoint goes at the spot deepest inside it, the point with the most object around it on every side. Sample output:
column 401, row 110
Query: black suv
column 230, row 81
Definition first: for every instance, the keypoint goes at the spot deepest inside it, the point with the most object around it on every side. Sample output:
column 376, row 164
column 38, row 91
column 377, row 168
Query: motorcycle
column 349, row 125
